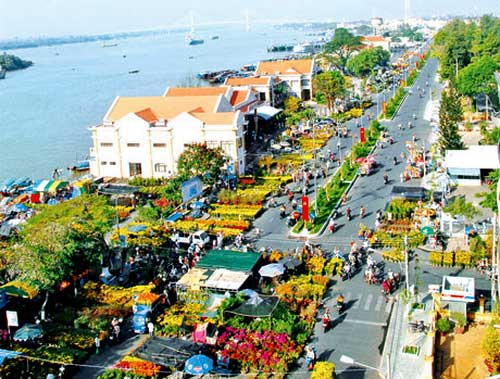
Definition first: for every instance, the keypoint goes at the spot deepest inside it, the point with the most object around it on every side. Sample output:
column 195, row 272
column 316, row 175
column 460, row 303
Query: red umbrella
column 371, row 159
column 361, row 160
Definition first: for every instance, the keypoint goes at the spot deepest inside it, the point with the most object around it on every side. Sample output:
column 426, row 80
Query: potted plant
column 444, row 325
column 460, row 322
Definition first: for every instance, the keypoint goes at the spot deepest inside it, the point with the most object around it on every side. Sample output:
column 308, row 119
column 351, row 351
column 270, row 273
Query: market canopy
column 266, row 112
column 223, row 279
column 194, row 278
column 50, row 186
column 4, row 354
column 229, row 259
column 167, row 352
column 212, row 304
column 20, row 289
column 28, row 332
column 115, row 189
column 256, row 306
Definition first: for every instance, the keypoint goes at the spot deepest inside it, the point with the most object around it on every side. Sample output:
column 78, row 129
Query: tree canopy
column 341, row 47
column 331, row 84
column 478, row 77
column 450, row 114
column 459, row 207
column 62, row 240
column 199, row 160
column 363, row 63
column 12, row 62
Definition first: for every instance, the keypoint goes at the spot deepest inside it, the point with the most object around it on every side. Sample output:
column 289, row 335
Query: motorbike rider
column 326, row 319
column 340, row 303
column 414, row 116
column 310, row 356
column 386, row 178
column 395, row 160
column 362, row 211
column 331, row 225
column 348, row 213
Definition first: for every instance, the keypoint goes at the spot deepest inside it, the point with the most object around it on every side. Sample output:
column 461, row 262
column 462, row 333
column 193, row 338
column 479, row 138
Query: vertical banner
column 305, row 208
column 362, row 135
column 417, row 64
column 402, row 83
column 384, row 107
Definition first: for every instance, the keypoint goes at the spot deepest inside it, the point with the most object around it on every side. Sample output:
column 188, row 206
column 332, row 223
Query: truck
column 145, row 308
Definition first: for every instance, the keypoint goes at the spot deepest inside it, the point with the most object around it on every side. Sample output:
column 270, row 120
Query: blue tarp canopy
column 198, row 365
column 6, row 185
column 28, row 332
column 22, row 182
column 174, row 217
column 137, row 228
column 4, row 354
column 19, row 208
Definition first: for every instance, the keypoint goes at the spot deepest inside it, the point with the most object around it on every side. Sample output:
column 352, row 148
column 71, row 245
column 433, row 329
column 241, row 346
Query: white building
column 262, row 86
column 377, row 41
column 144, row 136
column 471, row 166
column 296, row 73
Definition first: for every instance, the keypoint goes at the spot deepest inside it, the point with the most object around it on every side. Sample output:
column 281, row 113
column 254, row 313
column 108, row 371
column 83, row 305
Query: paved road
column 360, row 331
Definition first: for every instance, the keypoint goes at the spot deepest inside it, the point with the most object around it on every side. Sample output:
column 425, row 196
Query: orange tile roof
column 373, row 39
column 147, row 115
column 195, row 91
column 284, row 67
column 162, row 107
column 220, row 118
column 239, row 97
column 251, row 80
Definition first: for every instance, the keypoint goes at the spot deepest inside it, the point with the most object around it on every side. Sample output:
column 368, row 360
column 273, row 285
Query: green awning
column 229, row 259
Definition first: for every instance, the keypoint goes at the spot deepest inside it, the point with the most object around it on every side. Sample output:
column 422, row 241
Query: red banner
column 384, row 107
column 305, row 208
column 417, row 64
column 362, row 135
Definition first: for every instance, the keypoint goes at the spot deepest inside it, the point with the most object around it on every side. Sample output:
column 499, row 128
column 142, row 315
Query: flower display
column 138, row 366
column 235, row 212
column 114, row 295
column 323, row 370
column 265, row 351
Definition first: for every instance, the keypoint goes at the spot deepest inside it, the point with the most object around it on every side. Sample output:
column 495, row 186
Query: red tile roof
column 239, row 97
column 373, row 39
column 285, row 67
column 195, row 91
column 147, row 115
column 251, row 80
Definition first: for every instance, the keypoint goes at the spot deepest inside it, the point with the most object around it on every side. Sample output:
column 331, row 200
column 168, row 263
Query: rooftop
column 252, row 80
column 476, row 156
column 285, row 67
column 195, row 91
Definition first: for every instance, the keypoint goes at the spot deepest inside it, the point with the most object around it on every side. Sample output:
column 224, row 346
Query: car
column 200, row 238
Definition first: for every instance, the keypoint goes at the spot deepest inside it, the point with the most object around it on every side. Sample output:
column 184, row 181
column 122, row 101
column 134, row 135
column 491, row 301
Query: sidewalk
column 404, row 365
column 109, row 356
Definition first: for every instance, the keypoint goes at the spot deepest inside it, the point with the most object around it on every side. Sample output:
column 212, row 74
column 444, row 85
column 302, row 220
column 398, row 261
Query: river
column 46, row 110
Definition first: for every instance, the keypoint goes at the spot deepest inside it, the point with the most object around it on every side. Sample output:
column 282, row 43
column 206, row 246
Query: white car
column 199, row 238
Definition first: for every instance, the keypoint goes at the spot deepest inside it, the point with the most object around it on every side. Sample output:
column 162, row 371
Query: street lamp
column 350, row 361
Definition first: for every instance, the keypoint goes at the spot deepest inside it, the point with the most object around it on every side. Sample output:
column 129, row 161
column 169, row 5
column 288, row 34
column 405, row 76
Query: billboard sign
column 12, row 318
column 458, row 289
column 191, row 188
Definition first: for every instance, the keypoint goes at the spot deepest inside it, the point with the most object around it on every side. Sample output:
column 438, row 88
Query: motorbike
column 340, row 307
column 348, row 214
column 395, row 160
column 386, row 179
column 325, row 322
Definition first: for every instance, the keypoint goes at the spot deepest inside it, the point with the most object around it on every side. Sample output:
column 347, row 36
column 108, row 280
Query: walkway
column 109, row 356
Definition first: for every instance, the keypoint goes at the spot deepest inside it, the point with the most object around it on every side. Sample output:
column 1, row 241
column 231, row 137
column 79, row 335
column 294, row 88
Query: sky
column 25, row 18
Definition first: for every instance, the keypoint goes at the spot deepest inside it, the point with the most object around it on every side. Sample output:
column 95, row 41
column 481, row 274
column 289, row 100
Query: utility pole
column 407, row 265
column 494, row 262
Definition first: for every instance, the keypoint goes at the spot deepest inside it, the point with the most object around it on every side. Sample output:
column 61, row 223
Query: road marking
column 380, row 300
column 374, row 323
column 357, row 303
column 368, row 302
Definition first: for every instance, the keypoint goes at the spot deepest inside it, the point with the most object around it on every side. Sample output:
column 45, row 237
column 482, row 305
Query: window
column 159, row 145
column 262, row 96
column 227, row 146
column 112, row 163
column 160, row 167
column 213, row 144
column 133, row 144
column 135, row 169
column 106, row 144
column 305, row 82
column 104, row 163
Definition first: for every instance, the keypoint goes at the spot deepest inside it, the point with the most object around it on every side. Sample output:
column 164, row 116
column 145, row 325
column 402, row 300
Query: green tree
column 292, row 105
column 478, row 77
column 12, row 62
column 341, row 47
column 490, row 345
column 62, row 240
column 490, row 197
column 331, row 84
column 459, row 207
column 363, row 63
column 450, row 113
column 199, row 160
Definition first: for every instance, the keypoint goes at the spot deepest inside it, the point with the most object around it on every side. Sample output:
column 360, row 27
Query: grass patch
column 411, row 349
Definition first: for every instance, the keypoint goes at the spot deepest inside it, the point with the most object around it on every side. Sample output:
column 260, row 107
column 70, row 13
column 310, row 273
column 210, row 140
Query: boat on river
column 3, row 72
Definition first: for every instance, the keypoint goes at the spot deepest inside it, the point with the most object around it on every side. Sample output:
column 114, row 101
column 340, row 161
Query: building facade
column 145, row 136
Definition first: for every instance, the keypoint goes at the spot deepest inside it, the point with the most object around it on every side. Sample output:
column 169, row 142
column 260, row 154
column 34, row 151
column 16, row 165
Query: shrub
column 444, row 325
column 323, row 370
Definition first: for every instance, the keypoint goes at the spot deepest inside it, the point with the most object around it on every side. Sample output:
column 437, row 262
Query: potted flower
column 460, row 322
column 444, row 325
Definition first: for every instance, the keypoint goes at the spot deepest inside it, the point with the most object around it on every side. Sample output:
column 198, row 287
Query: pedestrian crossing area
column 367, row 302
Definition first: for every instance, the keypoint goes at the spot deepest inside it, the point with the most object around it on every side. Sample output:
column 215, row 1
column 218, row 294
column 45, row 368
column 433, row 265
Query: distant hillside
column 11, row 62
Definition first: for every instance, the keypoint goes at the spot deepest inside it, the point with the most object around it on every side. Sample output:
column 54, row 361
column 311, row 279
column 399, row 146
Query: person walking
column 151, row 328
column 97, row 343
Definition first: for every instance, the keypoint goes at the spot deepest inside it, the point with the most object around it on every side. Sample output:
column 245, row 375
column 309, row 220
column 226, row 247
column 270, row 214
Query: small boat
column 124, row 56
column 248, row 67
column 214, row 37
column 193, row 41
column 109, row 44
column 2, row 72
column 133, row 71
column 81, row 166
